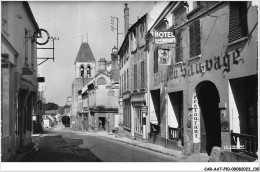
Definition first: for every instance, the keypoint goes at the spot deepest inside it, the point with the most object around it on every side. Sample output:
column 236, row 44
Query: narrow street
column 67, row 146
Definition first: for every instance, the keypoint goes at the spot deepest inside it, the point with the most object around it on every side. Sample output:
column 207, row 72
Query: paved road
column 66, row 146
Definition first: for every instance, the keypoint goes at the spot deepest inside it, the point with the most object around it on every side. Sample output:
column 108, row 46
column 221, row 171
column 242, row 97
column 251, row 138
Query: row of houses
column 19, row 84
column 194, row 66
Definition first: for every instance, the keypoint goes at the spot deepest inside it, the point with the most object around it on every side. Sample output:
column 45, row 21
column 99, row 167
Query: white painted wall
column 233, row 112
column 172, row 120
column 153, row 118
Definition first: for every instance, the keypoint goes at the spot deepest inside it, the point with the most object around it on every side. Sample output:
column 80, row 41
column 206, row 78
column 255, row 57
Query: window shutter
column 195, row 39
column 237, row 21
column 135, row 77
column 142, row 74
column 178, row 49
column 155, row 61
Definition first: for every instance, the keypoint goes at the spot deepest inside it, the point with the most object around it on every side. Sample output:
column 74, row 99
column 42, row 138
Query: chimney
column 126, row 16
column 102, row 65
column 114, row 61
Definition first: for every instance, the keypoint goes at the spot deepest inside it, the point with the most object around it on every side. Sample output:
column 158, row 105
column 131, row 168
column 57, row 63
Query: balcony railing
column 248, row 143
column 155, row 129
column 175, row 133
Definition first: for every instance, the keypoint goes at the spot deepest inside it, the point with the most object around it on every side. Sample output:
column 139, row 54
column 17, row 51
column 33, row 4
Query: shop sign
column 217, row 63
column 164, row 37
column 27, row 71
column 195, row 119
column 111, row 92
column 164, row 57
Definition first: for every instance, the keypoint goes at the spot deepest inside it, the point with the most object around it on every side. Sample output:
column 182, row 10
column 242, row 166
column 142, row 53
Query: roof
column 143, row 18
column 85, row 54
column 130, row 29
column 28, row 9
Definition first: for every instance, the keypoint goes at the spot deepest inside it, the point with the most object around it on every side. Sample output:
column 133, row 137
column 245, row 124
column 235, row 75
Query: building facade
column 100, row 98
column 18, row 77
column 207, row 96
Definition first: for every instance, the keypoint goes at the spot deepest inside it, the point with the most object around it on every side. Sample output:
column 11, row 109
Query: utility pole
column 113, row 28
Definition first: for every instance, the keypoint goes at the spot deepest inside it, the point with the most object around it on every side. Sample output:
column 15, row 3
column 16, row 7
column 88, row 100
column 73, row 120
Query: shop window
column 195, row 39
column 135, row 77
column 142, row 75
column 155, row 61
column 178, row 49
column 237, row 21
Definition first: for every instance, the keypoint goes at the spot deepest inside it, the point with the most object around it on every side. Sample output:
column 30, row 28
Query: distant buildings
column 18, row 78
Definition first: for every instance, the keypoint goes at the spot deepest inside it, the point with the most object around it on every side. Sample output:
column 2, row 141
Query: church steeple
column 85, row 54
column 85, row 63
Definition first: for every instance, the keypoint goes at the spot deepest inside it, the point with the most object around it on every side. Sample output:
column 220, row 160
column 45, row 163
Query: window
column 124, row 81
column 142, row 75
column 127, row 82
column 26, row 46
column 237, row 21
column 135, row 77
column 178, row 49
column 195, row 39
column 155, row 56
column 32, row 58
column 81, row 71
column 120, row 86
column 89, row 71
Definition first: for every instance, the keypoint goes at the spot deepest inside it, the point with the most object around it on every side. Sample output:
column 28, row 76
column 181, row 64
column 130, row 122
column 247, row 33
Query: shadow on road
column 54, row 148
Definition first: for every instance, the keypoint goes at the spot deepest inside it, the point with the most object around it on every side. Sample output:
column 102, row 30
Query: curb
column 187, row 158
column 131, row 142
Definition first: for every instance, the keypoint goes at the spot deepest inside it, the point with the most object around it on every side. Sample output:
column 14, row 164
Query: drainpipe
column 148, row 96
column 166, row 112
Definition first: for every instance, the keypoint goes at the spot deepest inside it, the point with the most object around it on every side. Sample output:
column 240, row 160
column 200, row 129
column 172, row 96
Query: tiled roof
column 85, row 54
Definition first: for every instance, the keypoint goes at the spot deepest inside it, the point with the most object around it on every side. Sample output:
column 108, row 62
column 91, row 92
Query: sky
column 73, row 22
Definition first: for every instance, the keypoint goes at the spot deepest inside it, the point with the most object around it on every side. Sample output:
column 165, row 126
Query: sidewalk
column 202, row 157
column 28, row 151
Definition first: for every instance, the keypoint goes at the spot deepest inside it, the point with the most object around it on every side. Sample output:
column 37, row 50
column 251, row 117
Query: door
column 208, row 99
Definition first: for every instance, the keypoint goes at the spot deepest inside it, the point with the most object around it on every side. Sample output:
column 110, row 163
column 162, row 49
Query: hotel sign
column 164, row 38
column 164, row 57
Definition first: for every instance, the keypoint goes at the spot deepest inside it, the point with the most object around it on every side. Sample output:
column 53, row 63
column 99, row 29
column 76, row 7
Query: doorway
column 101, row 123
column 208, row 98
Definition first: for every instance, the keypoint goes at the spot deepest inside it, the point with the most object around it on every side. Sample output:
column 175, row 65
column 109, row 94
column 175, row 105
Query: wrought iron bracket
column 48, row 58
